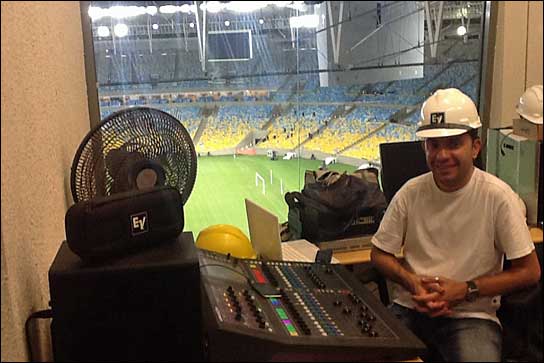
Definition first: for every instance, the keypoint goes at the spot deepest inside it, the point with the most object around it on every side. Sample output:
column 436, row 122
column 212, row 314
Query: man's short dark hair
column 473, row 133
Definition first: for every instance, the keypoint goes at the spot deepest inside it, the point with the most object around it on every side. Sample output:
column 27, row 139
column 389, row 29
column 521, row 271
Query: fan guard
column 133, row 135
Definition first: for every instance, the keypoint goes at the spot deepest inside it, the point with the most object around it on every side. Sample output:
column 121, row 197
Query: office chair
column 521, row 317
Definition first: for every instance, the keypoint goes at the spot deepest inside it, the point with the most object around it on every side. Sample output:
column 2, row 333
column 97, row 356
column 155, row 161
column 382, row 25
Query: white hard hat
column 530, row 104
column 448, row 112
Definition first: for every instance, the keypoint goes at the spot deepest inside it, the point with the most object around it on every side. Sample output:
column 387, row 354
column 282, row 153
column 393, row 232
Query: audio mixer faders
column 273, row 310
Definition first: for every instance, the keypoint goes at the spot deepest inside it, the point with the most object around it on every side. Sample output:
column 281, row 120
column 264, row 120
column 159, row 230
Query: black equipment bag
column 336, row 206
column 123, row 223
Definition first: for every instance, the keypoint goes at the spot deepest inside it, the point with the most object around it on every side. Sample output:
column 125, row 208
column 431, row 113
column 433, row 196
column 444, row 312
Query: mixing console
column 256, row 310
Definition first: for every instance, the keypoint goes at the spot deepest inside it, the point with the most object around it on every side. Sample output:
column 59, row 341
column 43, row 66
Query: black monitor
column 401, row 161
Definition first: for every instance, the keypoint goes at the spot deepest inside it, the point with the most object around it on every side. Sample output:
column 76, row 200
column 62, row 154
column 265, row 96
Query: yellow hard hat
column 225, row 239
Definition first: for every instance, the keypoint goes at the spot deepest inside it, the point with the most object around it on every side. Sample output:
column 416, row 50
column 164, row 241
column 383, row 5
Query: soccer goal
column 258, row 178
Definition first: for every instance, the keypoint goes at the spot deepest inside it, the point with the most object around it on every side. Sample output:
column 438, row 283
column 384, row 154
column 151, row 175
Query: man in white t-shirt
column 454, row 225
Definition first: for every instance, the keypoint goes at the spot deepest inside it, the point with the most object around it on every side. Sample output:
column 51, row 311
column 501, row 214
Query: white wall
column 44, row 117
column 518, row 57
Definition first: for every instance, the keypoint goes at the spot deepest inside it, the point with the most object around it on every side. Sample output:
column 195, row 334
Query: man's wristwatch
column 472, row 291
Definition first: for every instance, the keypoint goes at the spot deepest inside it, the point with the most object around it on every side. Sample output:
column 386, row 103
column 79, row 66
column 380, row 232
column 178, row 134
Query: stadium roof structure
column 183, row 23
column 182, row 13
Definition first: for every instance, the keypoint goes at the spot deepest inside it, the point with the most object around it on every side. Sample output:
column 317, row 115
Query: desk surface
column 536, row 234
column 360, row 256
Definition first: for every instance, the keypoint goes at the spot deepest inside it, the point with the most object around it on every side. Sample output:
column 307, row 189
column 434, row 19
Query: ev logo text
column 438, row 118
column 139, row 223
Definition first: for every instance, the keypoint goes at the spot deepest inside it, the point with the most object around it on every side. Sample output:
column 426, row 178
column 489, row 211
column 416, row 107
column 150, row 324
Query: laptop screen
column 264, row 232
column 401, row 161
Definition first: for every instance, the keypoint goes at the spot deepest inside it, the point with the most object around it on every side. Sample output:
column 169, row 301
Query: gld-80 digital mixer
column 257, row 311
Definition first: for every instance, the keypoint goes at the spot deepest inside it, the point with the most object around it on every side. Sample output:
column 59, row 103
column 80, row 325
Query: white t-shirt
column 461, row 235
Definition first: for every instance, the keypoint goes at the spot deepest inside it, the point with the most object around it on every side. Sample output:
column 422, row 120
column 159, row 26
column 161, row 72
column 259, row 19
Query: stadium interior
column 316, row 90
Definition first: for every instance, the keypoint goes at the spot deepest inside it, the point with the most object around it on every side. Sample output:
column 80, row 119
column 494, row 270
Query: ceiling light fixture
column 120, row 30
column 461, row 30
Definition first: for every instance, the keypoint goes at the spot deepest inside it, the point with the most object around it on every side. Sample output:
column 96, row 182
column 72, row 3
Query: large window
column 269, row 90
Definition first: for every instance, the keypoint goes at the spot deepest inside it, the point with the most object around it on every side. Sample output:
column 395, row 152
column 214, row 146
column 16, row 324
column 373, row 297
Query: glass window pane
column 268, row 92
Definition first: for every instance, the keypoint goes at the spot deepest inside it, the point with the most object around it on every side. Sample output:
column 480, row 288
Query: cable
column 42, row 314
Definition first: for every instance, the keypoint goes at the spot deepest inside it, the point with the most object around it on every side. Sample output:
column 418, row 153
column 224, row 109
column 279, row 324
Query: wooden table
column 536, row 234
column 361, row 256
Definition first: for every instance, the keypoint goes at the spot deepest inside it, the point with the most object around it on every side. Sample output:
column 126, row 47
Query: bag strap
column 293, row 199
column 327, row 177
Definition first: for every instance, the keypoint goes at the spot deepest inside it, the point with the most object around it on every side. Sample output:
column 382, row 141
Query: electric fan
column 134, row 149
column 130, row 179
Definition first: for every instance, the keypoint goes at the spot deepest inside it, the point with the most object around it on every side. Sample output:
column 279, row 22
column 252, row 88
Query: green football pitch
column 223, row 182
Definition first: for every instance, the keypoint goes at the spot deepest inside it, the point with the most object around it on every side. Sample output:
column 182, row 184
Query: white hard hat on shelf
column 448, row 112
column 530, row 104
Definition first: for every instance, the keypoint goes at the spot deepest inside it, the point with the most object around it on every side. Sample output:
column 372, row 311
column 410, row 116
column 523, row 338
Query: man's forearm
column 389, row 266
column 523, row 273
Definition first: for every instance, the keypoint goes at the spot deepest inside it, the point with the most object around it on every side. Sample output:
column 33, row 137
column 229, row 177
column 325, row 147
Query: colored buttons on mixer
column 290, row 277
column 315, row 278
column 290, row 328
column 319, row 317
column 281, row 313
column 274, row 302
column 258, row 275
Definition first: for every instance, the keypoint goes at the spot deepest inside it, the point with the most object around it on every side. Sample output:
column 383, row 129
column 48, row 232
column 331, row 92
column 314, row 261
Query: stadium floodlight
column 186, row 8
column 246, row 6
column 280, row 4
column 212, row 6
column 120, row 12
column 304, row 21
column 169, row 9
column 151, row 10
column 461, row 30
column 155, row 26
column 95, row 12
column 103, row 31
column 297, row 5
column 120, row 30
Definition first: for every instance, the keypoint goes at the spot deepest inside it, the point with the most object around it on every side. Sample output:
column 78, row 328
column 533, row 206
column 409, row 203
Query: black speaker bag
column 123, row 223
